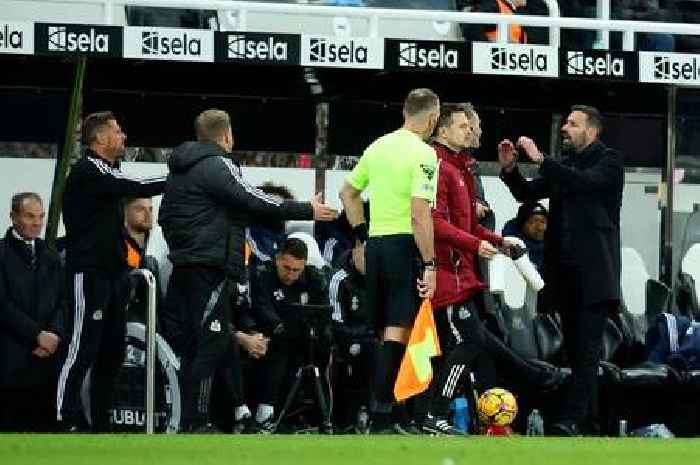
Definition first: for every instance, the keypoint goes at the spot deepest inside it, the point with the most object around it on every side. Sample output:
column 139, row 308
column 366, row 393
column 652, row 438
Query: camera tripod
column 309, row 368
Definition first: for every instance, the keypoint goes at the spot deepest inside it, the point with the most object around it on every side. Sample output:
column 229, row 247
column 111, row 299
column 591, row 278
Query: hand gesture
column 255, row 345
column 530, row 148
column 322, row 212
column 486, row 250
column 426, row 284
column 47, row 341
column 507, row 155
column 481, row 210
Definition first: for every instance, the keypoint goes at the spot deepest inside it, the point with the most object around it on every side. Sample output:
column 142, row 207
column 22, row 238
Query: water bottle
column 535, row 424
column 461, row 414
column 622, row 428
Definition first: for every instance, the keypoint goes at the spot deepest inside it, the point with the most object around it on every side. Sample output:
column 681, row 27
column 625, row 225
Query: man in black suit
column 582, row 244
column 31, row 320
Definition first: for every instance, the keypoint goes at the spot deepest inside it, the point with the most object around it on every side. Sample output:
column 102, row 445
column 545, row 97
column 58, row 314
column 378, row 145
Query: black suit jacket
column 590, row 185
column 31, row 300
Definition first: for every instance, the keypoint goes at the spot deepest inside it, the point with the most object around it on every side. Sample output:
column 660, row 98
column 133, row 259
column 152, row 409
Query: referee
column 97, row 270
column 401, row 171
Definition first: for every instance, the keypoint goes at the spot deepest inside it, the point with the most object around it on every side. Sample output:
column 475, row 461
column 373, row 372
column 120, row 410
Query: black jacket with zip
column 207, row 206
column 93, row 213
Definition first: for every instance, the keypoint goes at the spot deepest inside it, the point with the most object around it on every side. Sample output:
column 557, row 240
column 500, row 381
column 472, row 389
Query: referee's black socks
column 386, row 369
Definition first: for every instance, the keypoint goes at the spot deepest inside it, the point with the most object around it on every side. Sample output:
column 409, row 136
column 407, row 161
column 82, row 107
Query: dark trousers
column 98, row 303
column 582, row 327
column 199, row 300
column 28, row 408
column 283, row 354
column 462, row 341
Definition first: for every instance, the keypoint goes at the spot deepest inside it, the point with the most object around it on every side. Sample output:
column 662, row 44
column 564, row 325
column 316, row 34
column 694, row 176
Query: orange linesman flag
column 416, row 371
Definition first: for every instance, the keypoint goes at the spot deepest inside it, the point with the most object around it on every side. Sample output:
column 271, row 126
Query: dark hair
column 449, row 109
column 276, row 189
column 594, row 118
column 419, row 101
column 294, row 247
column 20, row 197
column 94, row 123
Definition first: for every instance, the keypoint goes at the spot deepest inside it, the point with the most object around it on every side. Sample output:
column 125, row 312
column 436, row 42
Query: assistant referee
column 400, row 170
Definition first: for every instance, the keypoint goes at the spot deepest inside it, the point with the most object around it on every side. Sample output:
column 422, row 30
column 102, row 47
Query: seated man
column 354, row 339
column 276, row 287
column 31, row 320
column 138, row 222
column 530, row 225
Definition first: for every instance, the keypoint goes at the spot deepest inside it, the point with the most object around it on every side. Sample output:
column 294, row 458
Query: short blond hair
column 210, row 125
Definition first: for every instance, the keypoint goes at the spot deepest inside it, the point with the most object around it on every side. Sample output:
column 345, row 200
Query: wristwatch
column 430, row 263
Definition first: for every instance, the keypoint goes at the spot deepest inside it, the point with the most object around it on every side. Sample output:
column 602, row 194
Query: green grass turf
column 337, row 450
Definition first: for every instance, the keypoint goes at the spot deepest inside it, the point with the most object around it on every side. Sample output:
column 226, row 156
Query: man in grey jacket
column 206, row 207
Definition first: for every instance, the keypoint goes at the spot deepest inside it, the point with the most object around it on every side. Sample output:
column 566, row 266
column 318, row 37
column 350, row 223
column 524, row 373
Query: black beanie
column 528, row 209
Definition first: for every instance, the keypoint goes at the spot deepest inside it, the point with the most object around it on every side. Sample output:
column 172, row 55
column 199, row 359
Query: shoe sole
column 437, row 431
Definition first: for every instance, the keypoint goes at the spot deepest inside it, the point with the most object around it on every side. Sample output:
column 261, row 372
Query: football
column 497, row 407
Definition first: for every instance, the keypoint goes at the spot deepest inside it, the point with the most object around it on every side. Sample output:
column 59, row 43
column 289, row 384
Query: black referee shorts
column 393, row 265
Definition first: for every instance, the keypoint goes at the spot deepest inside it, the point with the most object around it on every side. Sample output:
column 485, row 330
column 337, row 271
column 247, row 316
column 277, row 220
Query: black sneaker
column 565, row 428
column 205, row 429
column 72, row 429
column 412, row 428
column 245, row 425
column 439, row 425
column 266, row 427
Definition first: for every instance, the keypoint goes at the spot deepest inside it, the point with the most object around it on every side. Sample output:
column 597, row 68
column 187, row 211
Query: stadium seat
column 632, row 380
column 688, row 285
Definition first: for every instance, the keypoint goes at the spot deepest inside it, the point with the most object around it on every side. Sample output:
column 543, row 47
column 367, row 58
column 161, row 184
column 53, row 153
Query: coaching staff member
column 97, row 269
column 205, row 211
column 582, row 244
column 401, row 170
column 31, row 320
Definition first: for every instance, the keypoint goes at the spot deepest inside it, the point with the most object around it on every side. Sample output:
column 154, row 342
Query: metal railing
column 150, row 281
column 375, row 15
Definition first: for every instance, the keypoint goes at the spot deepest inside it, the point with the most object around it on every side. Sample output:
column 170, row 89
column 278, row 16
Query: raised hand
column 530, row 148
column 507, row 155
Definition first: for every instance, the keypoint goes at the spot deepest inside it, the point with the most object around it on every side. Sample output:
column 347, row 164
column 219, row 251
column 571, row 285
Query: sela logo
column 242, row 47
column 414, row 56
column 323, row 50
column 11, row 38
column 515, row 59
column 160, row 43
column 580, row 64
column 683, row 68
column 86, row 40
column 503, row 59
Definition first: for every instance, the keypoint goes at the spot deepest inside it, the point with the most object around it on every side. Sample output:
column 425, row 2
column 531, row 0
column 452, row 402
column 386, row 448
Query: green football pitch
column 337, row 450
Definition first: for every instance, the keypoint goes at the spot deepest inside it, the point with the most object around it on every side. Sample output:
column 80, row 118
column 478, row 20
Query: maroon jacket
column 457, row 229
